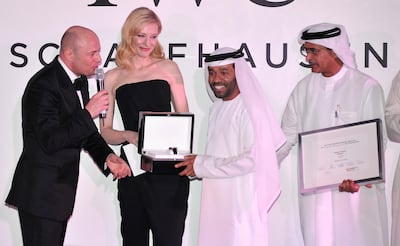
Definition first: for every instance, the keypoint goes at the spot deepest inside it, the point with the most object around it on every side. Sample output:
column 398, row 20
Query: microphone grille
column 99, row 73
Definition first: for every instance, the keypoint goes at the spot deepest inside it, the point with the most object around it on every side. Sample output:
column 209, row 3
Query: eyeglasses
column 313, row 51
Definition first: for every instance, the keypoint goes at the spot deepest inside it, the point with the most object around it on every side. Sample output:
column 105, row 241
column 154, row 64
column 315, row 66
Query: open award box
column 164, row 140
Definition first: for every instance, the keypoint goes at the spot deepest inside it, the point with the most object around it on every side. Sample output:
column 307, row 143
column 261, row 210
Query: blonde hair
column 134, row 23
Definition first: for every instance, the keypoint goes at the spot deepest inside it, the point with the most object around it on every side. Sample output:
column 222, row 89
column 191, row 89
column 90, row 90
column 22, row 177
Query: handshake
column 118, row 167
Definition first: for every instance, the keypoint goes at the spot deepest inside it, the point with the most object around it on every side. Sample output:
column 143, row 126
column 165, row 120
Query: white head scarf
column 332, row 36
column 268, row 134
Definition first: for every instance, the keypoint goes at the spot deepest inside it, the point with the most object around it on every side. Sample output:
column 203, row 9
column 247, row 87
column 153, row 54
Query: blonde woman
column 144, row 80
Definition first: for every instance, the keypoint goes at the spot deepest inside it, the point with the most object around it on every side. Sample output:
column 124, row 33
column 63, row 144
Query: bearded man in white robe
column 239, row 170
column 336, row 93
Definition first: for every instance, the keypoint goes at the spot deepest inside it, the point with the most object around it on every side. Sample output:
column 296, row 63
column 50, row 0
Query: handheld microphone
column 100, row 86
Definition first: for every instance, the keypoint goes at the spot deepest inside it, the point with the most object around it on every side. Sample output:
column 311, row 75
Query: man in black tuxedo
column 57, row 122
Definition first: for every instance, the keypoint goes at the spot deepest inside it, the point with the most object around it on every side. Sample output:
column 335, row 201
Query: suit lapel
column 68, row 92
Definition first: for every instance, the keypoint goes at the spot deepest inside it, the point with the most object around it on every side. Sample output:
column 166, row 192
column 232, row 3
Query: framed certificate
column 330, row 155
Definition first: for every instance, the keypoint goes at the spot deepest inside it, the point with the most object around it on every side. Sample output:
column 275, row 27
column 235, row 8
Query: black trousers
column 153, row 202
column 39, row 231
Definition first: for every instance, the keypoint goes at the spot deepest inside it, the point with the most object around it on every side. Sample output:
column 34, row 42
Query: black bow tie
column 81, row 84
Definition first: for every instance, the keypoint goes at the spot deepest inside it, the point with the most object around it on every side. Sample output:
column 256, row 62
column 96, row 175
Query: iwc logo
column 272, row 3
column 198, row 2
column 102, row 3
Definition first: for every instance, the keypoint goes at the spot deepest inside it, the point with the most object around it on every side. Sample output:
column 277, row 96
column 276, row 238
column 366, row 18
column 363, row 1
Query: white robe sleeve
column 290, row 129
column 206, row 166
column 392, row 110
column 229, row 149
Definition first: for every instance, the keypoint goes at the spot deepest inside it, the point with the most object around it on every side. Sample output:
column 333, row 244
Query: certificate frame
column 328, row 156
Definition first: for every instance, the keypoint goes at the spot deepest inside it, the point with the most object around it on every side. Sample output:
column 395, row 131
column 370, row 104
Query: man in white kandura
column 336, row 93
column 239, row 171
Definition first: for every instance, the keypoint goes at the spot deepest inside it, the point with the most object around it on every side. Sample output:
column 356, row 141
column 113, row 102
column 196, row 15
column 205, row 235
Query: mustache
column 310, row 63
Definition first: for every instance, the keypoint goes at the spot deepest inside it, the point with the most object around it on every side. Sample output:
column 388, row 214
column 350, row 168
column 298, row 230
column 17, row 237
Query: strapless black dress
column 148, row 201
column 152, row 95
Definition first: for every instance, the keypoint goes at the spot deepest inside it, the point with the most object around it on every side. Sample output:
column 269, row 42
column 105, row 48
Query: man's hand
column 118, row 167
column 349, row 185
column 188, row 162
column 98, row 102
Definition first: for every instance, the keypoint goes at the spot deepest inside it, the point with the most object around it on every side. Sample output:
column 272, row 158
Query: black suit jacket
column 55, row 129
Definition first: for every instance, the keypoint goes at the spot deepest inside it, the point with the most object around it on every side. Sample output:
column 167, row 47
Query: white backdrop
column 190, row 28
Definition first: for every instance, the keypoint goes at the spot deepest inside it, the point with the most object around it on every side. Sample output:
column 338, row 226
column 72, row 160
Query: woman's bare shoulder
column 115, row 77
column 167, row 66
column 120, row 73
column 168, row 63
column 114, row 72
